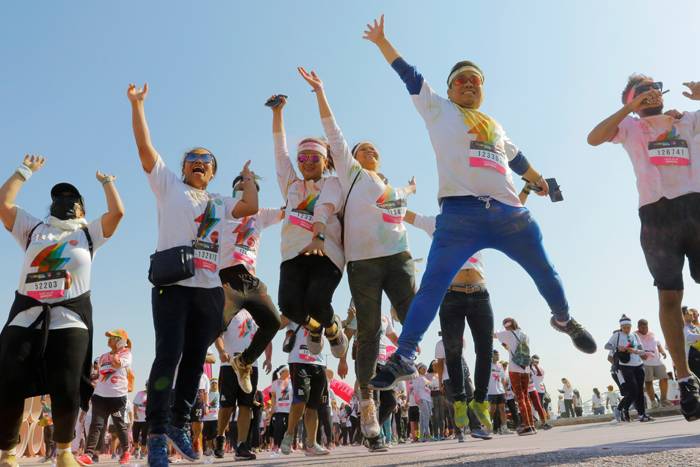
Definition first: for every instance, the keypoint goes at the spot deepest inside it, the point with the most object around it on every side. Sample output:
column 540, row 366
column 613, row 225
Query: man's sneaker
column 504, row 431
column 461, row 419
column 8, row 460
column 314, row 341
column 690, row 401
column 527, row 431
column 481, row 410
column 180, row 437
column 338, row 341
column 376, row 445
column 286, row 446
column 368, row 419
column 243, row 453
column 666, row 403
column 460, row 437
column 546, row 426
column 396, row 369
column 65, row 459
column 582, row 339
column 86, row 459
column 124, row 458
column 645, row 418
column 157, row 451
column 219, row 447
column 316, row 450
column 480, row 434
column 243, row 372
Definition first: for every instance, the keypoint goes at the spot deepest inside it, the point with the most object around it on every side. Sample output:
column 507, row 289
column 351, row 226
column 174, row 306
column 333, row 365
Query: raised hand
column 137, row 94
column 104, row 178
column 34, row 163
column 282, row 102
column 375, row 31
column 412, row 184
column 246, row 173
column 650, row 98
column 311, row 78
column 694, row 93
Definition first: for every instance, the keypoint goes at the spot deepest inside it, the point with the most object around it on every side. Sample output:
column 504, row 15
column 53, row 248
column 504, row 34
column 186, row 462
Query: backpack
column 521, row 356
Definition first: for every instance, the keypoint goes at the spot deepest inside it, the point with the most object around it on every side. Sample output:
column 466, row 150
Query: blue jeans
column 465, row 226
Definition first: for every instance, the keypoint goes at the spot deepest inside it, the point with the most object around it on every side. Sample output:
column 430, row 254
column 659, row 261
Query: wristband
column 108, row 179
column 24, row 172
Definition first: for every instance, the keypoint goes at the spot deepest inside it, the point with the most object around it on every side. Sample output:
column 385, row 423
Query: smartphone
column 275, row 101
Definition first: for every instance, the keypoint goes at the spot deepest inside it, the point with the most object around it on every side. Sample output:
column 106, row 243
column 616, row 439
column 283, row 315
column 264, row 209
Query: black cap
column 64, row 188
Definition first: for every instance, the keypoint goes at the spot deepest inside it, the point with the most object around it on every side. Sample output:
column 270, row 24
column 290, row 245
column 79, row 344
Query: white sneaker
column 314, row 341
column 368, row 419
column 316, row 450
column 286, row 446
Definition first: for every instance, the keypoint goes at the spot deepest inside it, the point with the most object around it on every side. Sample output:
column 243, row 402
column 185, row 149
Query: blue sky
column 553, row 70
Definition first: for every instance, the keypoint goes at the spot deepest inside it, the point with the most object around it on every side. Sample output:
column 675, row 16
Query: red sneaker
column 124, row 459
column 85, row 459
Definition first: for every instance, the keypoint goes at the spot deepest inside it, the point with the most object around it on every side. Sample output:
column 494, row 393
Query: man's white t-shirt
column 283, row 395
column 496, row 381
column 239, row 334
column 440, row 354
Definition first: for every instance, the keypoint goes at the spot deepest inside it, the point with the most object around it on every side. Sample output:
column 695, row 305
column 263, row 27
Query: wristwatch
column 320, row 236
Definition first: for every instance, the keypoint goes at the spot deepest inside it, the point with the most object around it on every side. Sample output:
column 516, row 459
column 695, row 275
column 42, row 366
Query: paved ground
column 669, row 441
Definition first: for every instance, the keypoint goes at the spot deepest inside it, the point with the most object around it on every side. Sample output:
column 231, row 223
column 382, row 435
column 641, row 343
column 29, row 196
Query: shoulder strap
column 89, row 239
column 29, row 237
column 341, row 217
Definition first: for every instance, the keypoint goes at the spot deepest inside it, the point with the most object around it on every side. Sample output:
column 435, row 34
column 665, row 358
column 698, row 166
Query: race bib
column 303, row 219
column 669, row 152
column 206, row 255
column 243, row 254
column 487, row 156
column 393, row 212
column 46, row 285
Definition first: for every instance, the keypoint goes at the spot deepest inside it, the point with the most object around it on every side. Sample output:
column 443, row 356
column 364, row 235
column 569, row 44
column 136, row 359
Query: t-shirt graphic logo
column 244, row 232
column 245, row 328
column 392, row 205
column 207, row 221
column 49, row 259
column 303, row 214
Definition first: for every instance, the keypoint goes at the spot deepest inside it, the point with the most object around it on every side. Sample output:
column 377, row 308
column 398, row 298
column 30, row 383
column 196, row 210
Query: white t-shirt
column 427, row 225
column 239, row 334
column 692, row 335
column 496, row 380
column 509, row 389
column 113, row 382
column 374, row 212
column 204, row 384
column 300, row 353
column 302, row 199
column 213, row 407
column 186, row 215
column 537, row 380
column 420, row 389
column 613, row 398
column 440, row 354
column 596, row 401
column 568, row 392
column 127, row 412
column 620, row 339
column 240, row 238
column 283, row 395
column 469, row 162
column 140, row 401
column 54, row 254
column 665, row 154
column 386, row 346
column 651, row 346
column 511, row 340
column 434, row 382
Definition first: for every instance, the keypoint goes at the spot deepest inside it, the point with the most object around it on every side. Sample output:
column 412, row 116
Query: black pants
column 102, row 409
column 307, row 284
column 344, row 435
column 368, row 278
column 49, row 444
column 64, row 357
column 694, row 361
column 139, row 433
column 513, row 409
column 187, row 320
column 386, row 401
column 634, row 388
column 476, row 309
column 569, row 408
column 254, row 431
column 279, row 427
column 325, row 423
column 248, row 292
column 355, row 434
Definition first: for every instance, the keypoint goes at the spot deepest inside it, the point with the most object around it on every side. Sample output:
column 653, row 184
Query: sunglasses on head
column 475, row 80
column 658, row 85
column 302, row 158
column 206, row 158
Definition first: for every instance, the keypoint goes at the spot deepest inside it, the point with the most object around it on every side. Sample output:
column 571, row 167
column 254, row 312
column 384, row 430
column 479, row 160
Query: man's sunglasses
column 303, row 158
column 659, row 86
column 203, row 158
column 475, row 80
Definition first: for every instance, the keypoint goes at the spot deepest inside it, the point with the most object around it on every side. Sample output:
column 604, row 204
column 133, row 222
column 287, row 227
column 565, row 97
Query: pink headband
column 630, row 95
column 309, row 145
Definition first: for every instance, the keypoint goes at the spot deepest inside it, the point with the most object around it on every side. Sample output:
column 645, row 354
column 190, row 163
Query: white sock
column 9, row 452
column 60, row 450
column 684, row 380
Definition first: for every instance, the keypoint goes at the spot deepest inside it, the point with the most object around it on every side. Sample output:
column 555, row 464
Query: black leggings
column 279, row 427
column 307, row 284
column 325, row 424
column 248, row 292
column 64, row 356
column 187, row 320
column 139, row 433
column 102, row 409
column 634, row 388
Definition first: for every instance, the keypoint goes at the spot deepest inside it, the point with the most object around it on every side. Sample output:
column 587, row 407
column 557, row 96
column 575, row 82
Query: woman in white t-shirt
column 375, row 244
column 49, row 328
column 516, row 342
column 312, row 251
column 187, row 297
column 597, row 403
column 568, row 391
column 281, row 394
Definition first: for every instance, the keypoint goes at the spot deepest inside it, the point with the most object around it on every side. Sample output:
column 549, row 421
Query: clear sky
column 553, row 70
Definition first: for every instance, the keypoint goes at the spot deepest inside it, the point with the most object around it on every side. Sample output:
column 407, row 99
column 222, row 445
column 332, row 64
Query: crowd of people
column 340, row 214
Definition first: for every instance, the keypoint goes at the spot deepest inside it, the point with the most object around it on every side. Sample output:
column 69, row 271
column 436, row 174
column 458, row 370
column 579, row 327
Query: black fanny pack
column 171, row 265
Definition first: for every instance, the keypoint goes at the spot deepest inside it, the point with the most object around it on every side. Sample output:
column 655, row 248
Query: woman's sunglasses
column 303, row 158
column 203, row 158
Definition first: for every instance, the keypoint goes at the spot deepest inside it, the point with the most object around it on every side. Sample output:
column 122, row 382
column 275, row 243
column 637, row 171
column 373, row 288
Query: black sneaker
column 690, row 401
column 395, row 370
column 582, row 339
column 219, row 447
column 527, row 431
column 376, row 445
column 243, row 453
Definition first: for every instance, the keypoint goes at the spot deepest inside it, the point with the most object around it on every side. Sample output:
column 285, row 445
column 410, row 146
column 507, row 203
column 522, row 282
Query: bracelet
column 107, row 180
column 24, row 172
